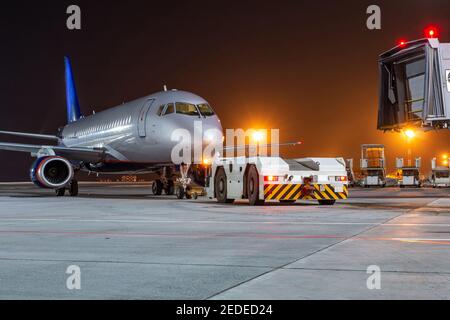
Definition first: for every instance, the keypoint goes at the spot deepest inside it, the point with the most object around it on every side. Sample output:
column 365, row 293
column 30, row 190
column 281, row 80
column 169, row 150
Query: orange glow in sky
column 258, row 136
column 410, row 134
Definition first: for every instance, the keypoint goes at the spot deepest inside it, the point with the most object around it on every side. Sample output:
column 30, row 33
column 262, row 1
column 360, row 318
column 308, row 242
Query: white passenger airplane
column 134, row 137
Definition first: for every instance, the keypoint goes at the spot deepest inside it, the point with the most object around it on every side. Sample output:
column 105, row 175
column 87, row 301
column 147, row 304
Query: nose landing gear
column 183, row 182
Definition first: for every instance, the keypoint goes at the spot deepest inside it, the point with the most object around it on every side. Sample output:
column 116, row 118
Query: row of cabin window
column 103, row 127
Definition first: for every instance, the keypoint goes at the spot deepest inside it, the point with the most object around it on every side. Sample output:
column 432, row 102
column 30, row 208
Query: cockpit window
column 160, row 110
column 205, row 109
column 187, row 108
column 169, row 109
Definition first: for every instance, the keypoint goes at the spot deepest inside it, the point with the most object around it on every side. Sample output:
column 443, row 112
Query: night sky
column 306, row 67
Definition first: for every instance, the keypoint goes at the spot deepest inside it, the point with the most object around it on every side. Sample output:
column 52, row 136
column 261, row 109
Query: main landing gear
column 158, row 187
column 164, row 183
column 72, row 188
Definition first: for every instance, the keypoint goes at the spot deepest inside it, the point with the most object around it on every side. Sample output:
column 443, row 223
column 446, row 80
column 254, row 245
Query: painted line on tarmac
column 228, row 222
column 137, row 262
column 365, row 270
column 443, row 241
column 174, row 235
column 409, row 240
column 187, row 221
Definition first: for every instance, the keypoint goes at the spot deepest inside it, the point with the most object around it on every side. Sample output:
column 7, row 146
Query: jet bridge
column 415, row 86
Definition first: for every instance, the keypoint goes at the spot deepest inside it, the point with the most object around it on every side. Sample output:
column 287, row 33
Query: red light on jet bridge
column 431, row 32
column 402, row 43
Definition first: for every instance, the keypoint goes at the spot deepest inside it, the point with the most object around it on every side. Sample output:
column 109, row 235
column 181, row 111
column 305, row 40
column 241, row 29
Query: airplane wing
column 30, row 135
column 92, row 155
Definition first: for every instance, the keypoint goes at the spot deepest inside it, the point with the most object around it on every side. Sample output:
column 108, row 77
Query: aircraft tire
column 73, row 188
column 60, row 192
column 157, row 187
column 170, row 188
column 188, row 193
column 180, row 193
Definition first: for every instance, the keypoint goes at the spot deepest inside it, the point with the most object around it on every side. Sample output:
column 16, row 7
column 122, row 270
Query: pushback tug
column 262, row 179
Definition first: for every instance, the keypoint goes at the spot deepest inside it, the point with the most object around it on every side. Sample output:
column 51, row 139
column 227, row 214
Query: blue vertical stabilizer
column 73, row 106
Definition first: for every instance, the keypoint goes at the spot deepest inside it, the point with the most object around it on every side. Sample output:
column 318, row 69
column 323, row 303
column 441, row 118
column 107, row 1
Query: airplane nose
column 213, row 135
column 212, row 130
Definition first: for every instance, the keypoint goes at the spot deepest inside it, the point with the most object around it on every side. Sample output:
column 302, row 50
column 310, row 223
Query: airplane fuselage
column 138, row 134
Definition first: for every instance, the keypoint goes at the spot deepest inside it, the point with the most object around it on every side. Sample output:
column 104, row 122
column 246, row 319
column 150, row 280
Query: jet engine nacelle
column 51, row 172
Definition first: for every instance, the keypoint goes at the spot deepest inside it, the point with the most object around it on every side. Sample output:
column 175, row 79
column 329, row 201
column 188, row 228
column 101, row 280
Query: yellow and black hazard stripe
column 328, row 192
column 294, row 192
column 281, row 191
